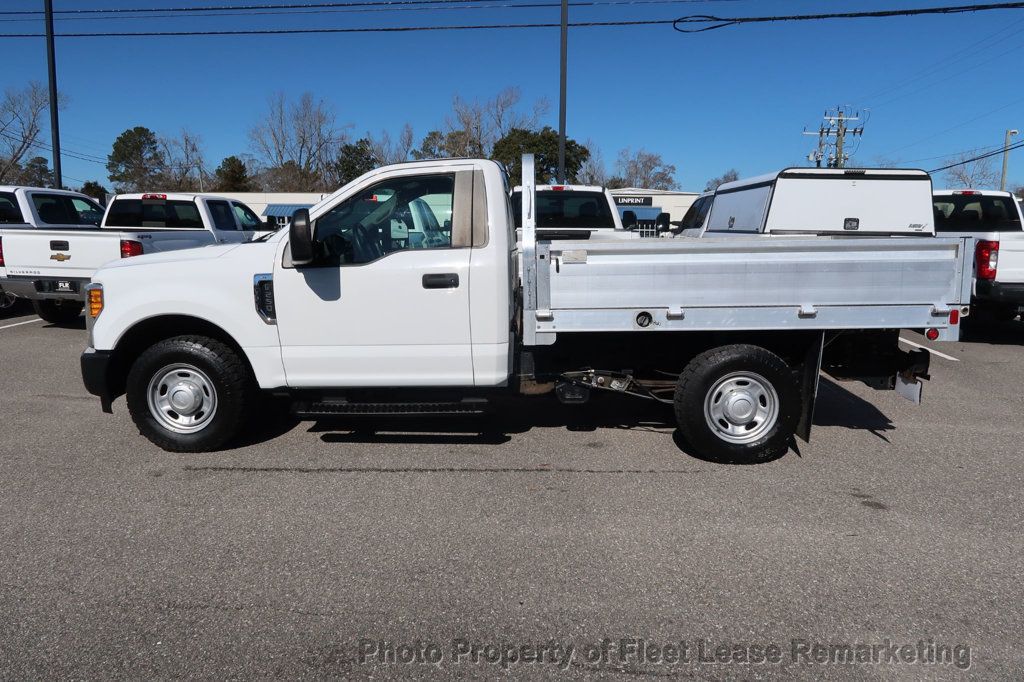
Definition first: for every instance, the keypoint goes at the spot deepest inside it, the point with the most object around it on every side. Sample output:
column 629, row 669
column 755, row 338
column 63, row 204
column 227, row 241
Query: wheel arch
column 145, row 333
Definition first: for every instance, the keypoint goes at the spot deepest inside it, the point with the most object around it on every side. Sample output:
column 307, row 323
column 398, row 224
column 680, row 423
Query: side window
column 395, row 215
column 246, row 218
column 52, row 209
column 223, row 216
column 9, row 211
column 702, row 212
column 88, row 213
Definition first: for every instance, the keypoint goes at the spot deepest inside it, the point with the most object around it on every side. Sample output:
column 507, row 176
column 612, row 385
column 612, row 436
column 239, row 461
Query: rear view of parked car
column 994, row 220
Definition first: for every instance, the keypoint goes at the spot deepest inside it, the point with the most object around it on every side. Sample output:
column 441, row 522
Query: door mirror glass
column 662, row 222
column 300, row 238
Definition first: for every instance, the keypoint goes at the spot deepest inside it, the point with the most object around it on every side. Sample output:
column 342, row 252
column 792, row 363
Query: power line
column 958, row 125
column 415, row 6
column 380, row 29
column 286, row 6
column 1001, row 149
column 723, row 22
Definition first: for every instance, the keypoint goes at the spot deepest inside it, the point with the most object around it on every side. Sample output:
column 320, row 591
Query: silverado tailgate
column 73, row 254
column 1011, row 258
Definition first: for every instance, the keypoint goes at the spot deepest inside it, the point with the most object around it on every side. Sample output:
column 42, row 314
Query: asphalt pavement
column 547, row 540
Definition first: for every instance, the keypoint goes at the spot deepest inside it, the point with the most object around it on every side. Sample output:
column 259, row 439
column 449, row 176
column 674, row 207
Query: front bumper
column 96, row 375
column 999, row 292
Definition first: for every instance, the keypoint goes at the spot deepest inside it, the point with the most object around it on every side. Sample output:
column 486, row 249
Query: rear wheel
column 7, row 300
column 58, row 311
column 189, row 393
column 738, row 403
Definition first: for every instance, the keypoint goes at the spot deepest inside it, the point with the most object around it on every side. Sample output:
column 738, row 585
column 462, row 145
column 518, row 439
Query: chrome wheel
column 182, row 398
column 741, row 407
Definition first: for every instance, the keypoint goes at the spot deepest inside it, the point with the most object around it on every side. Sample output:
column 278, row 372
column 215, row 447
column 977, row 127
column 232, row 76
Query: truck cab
column 572, row 212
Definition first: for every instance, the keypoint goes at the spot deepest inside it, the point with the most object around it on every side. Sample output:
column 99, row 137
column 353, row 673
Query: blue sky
column 736, row 97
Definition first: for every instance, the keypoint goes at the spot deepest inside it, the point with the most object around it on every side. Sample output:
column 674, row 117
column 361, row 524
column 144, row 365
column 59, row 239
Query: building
column 277, row 205
column 647, row 204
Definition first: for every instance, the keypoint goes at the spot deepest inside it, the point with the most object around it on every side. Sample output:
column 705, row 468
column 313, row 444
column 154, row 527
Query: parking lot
column 897, row 523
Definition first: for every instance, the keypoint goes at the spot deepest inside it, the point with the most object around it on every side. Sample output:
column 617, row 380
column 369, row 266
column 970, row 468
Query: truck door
column 225, row 229
column 248, row 221
column 386, row 300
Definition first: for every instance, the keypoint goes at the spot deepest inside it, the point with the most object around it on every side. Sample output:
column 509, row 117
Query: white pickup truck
column 343, row 319
column 52, row 241
column 994, row 223
column 572, row 212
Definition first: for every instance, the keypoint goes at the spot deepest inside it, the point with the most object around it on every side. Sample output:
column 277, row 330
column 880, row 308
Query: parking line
column 18, row 324
column 930, row 350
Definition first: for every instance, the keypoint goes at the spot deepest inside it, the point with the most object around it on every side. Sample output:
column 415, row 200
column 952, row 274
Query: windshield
column 975, row 213
column 573, row 209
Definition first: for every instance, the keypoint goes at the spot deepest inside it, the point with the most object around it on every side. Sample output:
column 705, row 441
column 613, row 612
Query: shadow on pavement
column 839, row 407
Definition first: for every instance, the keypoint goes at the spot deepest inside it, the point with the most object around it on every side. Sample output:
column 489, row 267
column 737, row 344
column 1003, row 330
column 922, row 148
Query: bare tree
column 297, row 141
column 645, row 169
column 184, row 159
column 730, row 175
column 974, row 174
column 475, row 126
column 385, row 150
column 21, row 112
column 593, row 172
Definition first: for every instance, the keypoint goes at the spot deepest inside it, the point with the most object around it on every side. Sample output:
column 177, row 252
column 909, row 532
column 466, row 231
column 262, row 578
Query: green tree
column 36, row 173
column 135, row 160
column 354, row 159
column 95, row 190
column 232, row 175
column 543, row 144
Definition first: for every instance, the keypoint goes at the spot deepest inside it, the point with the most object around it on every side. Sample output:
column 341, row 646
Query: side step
column 342, row 407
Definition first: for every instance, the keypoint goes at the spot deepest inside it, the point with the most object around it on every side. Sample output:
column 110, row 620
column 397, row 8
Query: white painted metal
column 826, row 201
column 1010, row 269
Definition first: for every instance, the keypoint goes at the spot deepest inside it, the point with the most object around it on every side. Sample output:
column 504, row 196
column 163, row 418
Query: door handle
column 445, row 280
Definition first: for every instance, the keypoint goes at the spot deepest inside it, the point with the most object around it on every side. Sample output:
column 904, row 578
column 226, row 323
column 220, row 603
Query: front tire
column 58, row 311
column 739, row 404
column 189, row 394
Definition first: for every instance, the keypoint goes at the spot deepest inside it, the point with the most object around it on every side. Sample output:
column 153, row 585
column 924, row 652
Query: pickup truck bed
column 747, row 283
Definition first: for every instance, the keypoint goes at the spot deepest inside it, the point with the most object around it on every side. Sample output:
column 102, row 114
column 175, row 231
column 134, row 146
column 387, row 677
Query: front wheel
column 738, row 403
column 58, row 311
column 189, row 393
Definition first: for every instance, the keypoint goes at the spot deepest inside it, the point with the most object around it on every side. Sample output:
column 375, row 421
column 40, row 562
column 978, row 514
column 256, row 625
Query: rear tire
column 7, row 301
column 58, row 311
column 190, row 394
column 739, row 404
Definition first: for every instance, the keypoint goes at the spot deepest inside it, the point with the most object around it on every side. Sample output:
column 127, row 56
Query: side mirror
column 271, row 224
column 300, row 238
column 661, row 222
column 628, row 219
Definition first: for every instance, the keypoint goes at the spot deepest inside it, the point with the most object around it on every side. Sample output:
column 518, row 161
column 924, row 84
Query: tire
column 738, row 404
column 7, row 301
column 190, row 394
column 58, row 311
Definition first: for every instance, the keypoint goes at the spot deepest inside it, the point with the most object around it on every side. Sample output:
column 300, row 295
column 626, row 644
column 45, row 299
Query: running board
column 341, row 407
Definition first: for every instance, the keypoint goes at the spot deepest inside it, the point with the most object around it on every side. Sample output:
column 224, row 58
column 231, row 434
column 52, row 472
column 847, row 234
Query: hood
column 178, row 256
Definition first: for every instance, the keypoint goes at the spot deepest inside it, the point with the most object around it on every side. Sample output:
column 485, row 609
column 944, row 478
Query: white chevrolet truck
column 52, row 241
column 343, row 319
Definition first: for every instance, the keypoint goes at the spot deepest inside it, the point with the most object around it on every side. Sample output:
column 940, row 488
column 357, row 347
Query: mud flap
column 809, row 385
column 909, row 388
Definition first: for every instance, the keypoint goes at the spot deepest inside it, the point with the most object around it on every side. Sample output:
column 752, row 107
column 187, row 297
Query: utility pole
column 836, row 127
column 1006, row 158
column 54, row 120
column 561, row 96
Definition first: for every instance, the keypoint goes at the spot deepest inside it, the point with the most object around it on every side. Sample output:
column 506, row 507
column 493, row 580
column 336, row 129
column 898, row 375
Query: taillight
column 954, row 316
column 1, row 252
column 986, row 259
column 932, row 334
column 130, row 248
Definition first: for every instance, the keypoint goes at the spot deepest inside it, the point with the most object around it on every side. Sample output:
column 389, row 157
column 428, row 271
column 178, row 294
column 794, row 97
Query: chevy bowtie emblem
column 60, row 257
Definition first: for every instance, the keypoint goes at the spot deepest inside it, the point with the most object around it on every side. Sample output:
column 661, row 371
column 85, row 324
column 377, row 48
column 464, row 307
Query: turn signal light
column 932, row 334
column 95, row 302
column 130, row 248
